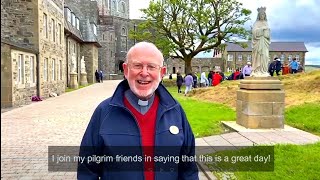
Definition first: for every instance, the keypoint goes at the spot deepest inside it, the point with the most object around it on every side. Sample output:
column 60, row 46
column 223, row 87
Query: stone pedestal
column 83, row 79
column 260, row 103
column 74, row 81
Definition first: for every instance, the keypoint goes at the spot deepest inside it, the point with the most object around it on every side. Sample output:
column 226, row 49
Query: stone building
column 237, row 57
column 113, row 29
column 81, row 42
column 234, row 56
column 32, row 50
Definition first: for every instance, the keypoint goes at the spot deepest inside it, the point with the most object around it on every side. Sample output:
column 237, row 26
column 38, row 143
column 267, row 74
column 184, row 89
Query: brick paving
column 26, row 133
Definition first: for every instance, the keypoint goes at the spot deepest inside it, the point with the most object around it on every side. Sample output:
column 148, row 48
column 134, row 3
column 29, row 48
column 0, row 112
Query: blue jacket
column 112, row 125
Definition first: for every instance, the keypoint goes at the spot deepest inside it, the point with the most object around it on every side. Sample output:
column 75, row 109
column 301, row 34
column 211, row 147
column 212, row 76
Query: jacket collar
column 165, row 97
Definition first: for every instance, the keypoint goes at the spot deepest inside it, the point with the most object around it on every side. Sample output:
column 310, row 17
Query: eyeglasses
column 139, row 66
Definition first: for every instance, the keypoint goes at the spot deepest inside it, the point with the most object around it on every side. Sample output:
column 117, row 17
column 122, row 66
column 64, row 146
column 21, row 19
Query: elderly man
column 247, row 69
column 140, row 119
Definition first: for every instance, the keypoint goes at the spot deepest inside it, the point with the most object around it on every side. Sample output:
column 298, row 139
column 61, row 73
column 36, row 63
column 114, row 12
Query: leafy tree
column 184, row 28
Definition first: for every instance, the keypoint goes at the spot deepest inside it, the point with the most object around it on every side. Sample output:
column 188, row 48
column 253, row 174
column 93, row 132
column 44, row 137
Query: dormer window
column 69, row 15
column 73, row 20
column 77, row 23
column 94, row 29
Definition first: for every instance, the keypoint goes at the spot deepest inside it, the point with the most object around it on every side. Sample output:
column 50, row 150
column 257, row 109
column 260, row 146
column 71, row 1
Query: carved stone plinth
column 73, row 81
column 260, row 103
column 83, row 79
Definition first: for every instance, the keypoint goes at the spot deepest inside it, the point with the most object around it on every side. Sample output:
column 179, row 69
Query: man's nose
column 144, row 71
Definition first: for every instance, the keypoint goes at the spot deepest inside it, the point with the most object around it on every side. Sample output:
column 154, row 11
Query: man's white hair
column 143, row 45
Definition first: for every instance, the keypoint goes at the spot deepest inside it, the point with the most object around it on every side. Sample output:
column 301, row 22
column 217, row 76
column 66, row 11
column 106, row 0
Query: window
column 59, row 33
column 282, row 57
column 69, row 46
column 45, row 26
column 123, row 32
column 94, row 29
column 32, row 63
column 249, row 57
column 74, row 48
column 53, row 69
column 240, row 57
column 77, row 23
column 110, row 37
column 60, row 70
column 123, row 7
column 102, row 36
column 229, row 69
column 230, row 57
column 114, row 5
column 290, row 57
column 297, row 57
column 20, row 78
column 53, row 30
column 111, row 54
column 45, row 69
column 69, row 15
column 73, row 20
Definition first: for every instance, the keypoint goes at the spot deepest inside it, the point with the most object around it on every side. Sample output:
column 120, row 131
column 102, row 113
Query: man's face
column 144, row 72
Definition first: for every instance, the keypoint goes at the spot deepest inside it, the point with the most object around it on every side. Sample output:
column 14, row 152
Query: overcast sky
column 289, row 20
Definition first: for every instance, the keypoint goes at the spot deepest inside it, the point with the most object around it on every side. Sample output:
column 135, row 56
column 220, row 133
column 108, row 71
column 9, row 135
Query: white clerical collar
column 143, row 103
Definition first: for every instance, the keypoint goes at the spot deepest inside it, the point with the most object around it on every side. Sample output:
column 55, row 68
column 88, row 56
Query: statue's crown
column 262, row 9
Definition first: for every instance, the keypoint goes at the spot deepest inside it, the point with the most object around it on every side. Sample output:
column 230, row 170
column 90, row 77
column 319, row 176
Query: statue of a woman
column 260, row 45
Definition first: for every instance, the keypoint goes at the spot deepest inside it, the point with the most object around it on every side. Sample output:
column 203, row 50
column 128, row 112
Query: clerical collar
column 134, row 100
column 143, row 103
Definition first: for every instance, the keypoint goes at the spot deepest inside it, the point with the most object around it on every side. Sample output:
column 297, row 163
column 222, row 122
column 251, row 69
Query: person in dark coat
column 97, row 76
column 101, row 76
column 272, row 67
column 179, row 82
column 278, row 66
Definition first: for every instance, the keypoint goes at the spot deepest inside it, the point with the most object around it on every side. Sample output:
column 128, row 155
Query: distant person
column 188, row 81
column 210, row 78
column 101, row 76
column 272, row 67
column 294, row 66
column 203, row 80
column 216, row 78
column 97, row 75
column 179, row 82
column 247, row 69
column 278, row 66
column 170, row 76
column 195, row 80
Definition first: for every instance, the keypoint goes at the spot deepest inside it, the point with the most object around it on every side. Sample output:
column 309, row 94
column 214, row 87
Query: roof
column 274, row 46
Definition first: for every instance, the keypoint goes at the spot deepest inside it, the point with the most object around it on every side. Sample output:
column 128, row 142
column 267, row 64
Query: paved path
column 27, row 132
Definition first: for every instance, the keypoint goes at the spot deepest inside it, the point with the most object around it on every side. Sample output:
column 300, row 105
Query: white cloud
column 313, row 56
column 135, row 6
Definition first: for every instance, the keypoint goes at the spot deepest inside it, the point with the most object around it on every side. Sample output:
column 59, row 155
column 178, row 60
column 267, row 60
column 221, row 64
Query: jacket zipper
column 135, row 120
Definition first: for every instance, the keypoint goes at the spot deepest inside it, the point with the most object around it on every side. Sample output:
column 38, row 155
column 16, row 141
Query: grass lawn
column 304, row 117
column 290, row 162
column 80, row 86
column 204, row 117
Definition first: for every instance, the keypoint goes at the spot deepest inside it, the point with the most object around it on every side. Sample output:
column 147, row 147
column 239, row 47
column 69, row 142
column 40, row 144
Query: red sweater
column 147, row 126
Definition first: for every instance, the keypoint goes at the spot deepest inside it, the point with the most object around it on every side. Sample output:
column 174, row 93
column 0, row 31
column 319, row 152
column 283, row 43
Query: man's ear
column 163, row 71
column 125, row 69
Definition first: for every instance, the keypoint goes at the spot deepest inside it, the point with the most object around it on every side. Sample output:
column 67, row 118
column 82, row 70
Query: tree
column 184, row 28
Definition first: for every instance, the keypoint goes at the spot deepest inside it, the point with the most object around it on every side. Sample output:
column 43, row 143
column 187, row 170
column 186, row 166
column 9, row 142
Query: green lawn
column 290, row 162
column 204, row 117
column 80, row 86
column 305, row 117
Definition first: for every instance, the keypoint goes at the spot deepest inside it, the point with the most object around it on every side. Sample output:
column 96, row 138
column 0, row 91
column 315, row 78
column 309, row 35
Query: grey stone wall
column 19, row 22
column 90, row 53
column 23, row 91
column 51, row 50
column 198, row 65
column 6, row 76
column 107, row 51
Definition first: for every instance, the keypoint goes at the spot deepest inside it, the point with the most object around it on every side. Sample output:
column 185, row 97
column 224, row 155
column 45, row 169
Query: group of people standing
column 275, row 66
column 191, row 80
column 99, row 76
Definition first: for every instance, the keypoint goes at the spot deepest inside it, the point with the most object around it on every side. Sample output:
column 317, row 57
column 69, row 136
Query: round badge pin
column 174, row 129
